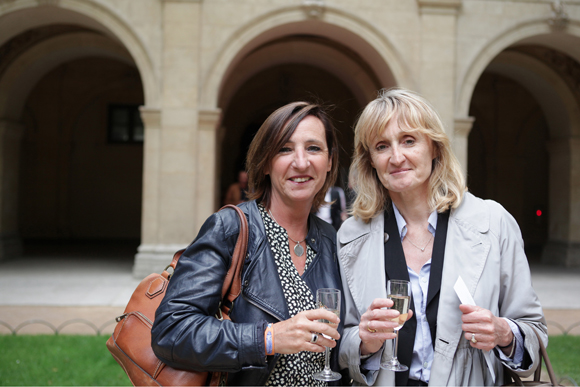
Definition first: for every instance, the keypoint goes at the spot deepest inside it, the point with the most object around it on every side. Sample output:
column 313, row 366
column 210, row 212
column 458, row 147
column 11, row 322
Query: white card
column 462, row 292
column 465, row 298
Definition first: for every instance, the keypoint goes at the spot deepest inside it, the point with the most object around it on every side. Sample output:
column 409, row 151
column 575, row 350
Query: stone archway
column 296, row 67
column 273, row 39
column 272, row 88
column 18, row 17
column 534, row 64
column 381, row 55
column 35, row 41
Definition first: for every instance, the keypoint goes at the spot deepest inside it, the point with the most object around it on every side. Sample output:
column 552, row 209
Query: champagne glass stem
column 327, row 360
column 395, row 360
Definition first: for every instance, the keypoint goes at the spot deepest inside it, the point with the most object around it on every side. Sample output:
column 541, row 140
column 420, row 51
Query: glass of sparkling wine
column 399, row 291
column 328, row 299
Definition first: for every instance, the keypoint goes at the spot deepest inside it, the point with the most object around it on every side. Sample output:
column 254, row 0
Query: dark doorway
column 508, row 158
column 265, row 92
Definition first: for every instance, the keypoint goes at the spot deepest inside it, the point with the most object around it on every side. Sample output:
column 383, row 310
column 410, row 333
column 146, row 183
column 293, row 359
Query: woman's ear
column 435, row 151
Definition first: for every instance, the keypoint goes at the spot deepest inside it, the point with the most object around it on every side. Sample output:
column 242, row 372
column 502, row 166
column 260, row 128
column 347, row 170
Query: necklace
column 298, row 249
column 422, row 249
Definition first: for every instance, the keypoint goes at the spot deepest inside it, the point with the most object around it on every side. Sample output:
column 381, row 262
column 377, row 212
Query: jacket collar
column 354, row 228
column 261, row 267
column 395, row 264
column 314, row 231
column 472, row 213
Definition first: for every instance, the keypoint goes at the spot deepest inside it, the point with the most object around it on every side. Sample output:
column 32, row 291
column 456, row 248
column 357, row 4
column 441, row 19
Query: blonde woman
column 413, row 220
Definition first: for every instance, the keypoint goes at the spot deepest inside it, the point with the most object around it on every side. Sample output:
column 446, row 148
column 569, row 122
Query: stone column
column 151, row 118
column 207, row 200
column 563, row 247
column 460, row 143
column 170, row 197
column 438, row 56
column 10, row 144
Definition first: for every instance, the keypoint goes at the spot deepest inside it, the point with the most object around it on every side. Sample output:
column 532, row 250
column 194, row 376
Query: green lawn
column 45, row 360
column 564, row 352
column 63, row 360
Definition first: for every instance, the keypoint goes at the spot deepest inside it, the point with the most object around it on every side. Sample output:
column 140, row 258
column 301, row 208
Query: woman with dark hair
column 414, row 221
column 273, row 338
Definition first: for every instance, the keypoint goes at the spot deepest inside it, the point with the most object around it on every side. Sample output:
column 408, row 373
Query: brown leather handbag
column 511, row 379
column 130, row 343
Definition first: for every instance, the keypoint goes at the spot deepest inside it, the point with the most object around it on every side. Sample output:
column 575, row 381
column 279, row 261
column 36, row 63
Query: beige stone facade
column 504, row 75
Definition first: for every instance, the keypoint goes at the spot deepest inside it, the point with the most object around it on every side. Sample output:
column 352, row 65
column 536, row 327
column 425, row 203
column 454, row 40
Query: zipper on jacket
column 263, row 309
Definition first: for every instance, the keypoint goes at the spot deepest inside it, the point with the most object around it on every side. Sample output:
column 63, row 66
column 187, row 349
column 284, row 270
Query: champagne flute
column 328, row 299
column 399, row 291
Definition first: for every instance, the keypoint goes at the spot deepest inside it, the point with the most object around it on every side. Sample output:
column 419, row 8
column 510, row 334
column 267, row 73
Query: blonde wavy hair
column 413, row 114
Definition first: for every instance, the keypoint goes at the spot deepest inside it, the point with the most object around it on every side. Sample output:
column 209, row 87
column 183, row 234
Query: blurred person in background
column 335, row 212
column 236, row 193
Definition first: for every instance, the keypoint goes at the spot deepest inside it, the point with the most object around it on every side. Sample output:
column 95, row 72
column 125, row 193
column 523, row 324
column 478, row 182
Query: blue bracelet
column 269, row 340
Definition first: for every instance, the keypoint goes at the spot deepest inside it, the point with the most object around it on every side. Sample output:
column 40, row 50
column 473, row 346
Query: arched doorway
column 81, row 159
column 69, row 93
column 273, row 88
column 521, row 148
column 508, row 159
column 295, row 67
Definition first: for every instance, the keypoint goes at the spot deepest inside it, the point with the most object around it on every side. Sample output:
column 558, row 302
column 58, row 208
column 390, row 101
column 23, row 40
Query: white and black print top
column 292, row 369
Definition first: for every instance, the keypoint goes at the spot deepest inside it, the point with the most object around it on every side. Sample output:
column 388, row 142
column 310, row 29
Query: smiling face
column 403, row 160
column 298, row 171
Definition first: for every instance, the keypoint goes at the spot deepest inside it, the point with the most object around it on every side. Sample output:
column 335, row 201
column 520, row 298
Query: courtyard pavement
column 73, row 294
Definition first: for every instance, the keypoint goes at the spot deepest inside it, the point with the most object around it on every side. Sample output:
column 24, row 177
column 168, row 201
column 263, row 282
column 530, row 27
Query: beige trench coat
column 484, row 246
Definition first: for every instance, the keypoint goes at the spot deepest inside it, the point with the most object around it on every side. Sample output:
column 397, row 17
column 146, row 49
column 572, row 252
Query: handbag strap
column 543, row 354
column 232, row 286
column 233, row 281
column 537, row 374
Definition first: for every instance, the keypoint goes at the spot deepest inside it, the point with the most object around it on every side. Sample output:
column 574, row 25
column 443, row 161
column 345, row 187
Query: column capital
column 182, row 1
column 209, row 118
column 446, row 7
column 463, row 126
column 150, row 116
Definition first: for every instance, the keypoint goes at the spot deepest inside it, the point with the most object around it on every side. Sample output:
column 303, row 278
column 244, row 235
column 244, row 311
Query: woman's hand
column 295, row 334
column 487, row 329
column 376, row 325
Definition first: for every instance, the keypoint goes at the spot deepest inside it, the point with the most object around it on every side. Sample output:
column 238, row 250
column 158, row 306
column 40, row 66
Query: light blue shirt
column 420, row 368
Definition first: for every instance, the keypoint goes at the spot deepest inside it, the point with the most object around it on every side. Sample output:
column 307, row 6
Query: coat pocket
column 469, row 367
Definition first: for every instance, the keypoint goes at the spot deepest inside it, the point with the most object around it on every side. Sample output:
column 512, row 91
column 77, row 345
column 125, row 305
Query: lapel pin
column 386, row 237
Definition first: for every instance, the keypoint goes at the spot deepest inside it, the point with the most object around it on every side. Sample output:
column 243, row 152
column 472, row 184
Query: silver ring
column 314, row 338
column 473, row 338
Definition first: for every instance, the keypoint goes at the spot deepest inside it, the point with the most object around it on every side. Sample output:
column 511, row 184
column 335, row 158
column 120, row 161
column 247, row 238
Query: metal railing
column 565, row 331
column 99, row 331
column 58, row 329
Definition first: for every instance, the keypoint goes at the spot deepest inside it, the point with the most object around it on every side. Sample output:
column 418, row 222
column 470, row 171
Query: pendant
column 298, row 249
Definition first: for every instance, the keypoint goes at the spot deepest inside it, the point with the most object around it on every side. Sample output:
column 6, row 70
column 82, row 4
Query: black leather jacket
column 185, row 333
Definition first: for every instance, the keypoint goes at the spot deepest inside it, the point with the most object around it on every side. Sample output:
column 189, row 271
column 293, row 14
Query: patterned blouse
column 292, row 369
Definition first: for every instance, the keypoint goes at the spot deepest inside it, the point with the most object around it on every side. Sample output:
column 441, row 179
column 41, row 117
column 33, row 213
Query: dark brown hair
column 274, row 133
